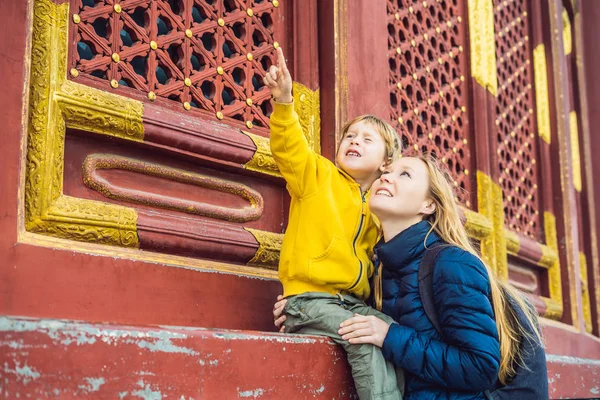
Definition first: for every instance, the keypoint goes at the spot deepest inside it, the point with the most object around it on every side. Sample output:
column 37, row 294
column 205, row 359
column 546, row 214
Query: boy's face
column 362, row 152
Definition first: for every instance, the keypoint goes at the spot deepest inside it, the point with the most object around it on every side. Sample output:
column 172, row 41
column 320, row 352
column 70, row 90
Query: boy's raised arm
column 297, row 162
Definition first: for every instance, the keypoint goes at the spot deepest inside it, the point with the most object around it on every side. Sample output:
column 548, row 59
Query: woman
column 480, row 341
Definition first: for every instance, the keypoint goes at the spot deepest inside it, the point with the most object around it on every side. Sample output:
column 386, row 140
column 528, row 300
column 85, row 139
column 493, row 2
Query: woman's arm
column 468, row 356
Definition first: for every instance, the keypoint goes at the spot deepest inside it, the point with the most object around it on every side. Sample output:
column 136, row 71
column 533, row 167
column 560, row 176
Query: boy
column 325, row 261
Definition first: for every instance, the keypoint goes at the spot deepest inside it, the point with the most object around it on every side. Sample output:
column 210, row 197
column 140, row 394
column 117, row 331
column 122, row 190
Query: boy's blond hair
column 393, row 146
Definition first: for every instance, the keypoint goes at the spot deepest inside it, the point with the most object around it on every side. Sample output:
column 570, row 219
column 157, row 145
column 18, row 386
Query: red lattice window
column 515, row 123
column 427, row 89
column 204, row 54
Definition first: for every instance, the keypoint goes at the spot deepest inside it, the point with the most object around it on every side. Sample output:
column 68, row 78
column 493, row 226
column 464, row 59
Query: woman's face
column 402, row 191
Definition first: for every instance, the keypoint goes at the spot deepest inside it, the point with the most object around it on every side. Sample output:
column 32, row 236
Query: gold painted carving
column 478, row 225
column 47, row 210
column 575, row 154
column 267, row 255
column 554, row 305
column 585, row 293
column 263, row 160
column 307, row 105
column 541, row 92
column 101, row 112
column 493, row 248
column 567, row 38
column 513, row 243
column 483, row 44
column 94, row 162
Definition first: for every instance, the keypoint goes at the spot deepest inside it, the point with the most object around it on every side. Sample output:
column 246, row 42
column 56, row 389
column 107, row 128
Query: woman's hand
column 278, row 311
column 279, row 81
column 364, row 329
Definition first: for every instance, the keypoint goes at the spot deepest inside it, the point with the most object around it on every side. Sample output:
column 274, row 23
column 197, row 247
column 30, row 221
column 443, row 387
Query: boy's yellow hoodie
column 330, row 236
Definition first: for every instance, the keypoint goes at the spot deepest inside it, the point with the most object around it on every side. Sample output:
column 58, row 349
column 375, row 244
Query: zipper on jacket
column 362, row 217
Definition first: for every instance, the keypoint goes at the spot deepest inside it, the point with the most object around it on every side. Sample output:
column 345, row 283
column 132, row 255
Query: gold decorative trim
column 585, row 292
column 94, row 110
column 567, row 41
column 307, row 105
column 575, row 154
column 267, row 255
column 483, row 44
column 493, row 247
column 513, row 243
column 340, row 35
column 541, row 92
column 477, row 225
column 555, row 302
column 549, row 257
column 47, row 210
column 263, row 160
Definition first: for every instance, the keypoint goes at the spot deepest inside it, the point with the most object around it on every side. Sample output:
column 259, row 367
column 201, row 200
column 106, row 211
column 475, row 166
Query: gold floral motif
column 575, row 154
column 483, row 44
column 307, row 105
column 47, row 210
column 555, row 303
column 267, row 255
column 541, row 92
column 101, row 112
column 263, row 160
column 567, row 41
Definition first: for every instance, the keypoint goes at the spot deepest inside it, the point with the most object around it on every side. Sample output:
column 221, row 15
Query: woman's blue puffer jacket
column 464, row 360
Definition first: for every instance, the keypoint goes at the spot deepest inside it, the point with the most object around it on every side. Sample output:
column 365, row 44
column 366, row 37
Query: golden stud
column 187, row 106
column 397, row 16
column 219, row 115
column 249, row 12
column 398, row 50
column 74, row 73
column 249, row 101
column 188, row 33
column 275, row 45
column 249, row 56
column 400, row 120
column 410, row 10
column 399, row 85
column 153, row 45
column 415, row 77
column 221, row 22
column 115, row 57
column 220, row 70
column 459, row 18
column 249, row 124
column 466, row 172
column 117, row 8
column 114, row 84
column 76, row 18
column 416, row 146
column 275, row 3
column 187, row 82
column 413, row 43
column 152, row 96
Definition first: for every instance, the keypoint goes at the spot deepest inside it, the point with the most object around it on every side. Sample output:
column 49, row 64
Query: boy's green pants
column 321, row 314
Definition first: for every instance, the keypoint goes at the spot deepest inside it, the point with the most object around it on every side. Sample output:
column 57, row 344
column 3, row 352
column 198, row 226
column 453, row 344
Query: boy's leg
column 322, row 314
column 360, row 307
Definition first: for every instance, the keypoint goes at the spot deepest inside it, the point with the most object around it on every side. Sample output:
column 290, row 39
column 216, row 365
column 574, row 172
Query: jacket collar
column 407, row 246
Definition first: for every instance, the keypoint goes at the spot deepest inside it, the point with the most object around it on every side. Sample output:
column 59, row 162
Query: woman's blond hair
column 447, row 223
column 393, row 146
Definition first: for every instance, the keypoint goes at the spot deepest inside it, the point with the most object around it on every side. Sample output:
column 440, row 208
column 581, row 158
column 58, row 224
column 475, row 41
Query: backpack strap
column 426, row 283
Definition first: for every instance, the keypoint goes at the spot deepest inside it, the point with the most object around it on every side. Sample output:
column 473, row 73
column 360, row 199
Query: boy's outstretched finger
column 274, row 72
column 281, row 60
